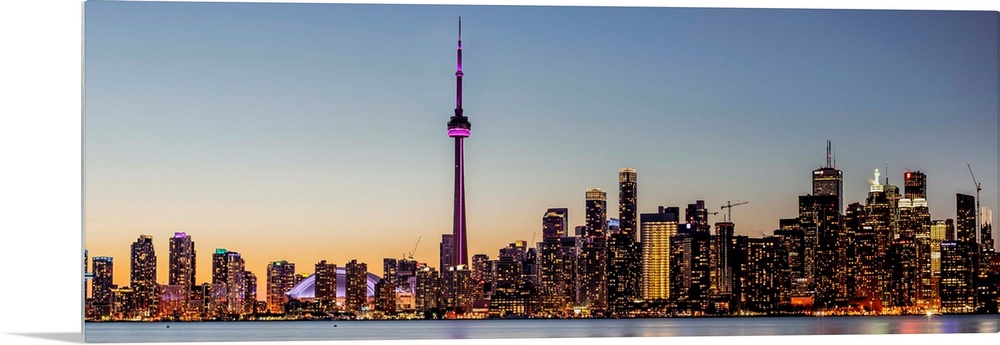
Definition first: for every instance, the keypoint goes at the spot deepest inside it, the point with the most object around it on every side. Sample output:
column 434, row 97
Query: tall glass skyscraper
column 828, row 180
column 656, row 230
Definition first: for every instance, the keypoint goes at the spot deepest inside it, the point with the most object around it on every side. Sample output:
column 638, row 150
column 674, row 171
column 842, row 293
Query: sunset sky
column 308, row 132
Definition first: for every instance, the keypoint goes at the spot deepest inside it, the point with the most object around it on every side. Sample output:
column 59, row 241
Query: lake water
column 132, row 332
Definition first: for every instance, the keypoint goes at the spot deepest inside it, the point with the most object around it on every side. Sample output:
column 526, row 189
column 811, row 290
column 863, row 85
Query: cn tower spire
column 458, row 128
column 458, row 72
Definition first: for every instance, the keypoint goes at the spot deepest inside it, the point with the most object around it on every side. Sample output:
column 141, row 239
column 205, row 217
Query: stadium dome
column 306, row 289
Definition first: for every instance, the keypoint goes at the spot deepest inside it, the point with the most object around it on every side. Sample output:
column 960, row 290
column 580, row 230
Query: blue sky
column 322, row 127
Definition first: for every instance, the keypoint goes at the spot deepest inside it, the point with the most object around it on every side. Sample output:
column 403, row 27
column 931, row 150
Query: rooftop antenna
column 834, row 157
column 828, row 153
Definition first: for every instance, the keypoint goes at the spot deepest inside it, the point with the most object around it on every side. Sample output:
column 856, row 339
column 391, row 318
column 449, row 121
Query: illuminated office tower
column 956, row 284
column 593, row 259
column 326, row 285
column 227, row 269
column 142, row 277
column 793, row 281
column 356, row 287
column 505, row 299
column 182, row 261
column 914, row 185
column 102, row 284
column 447, row 250
column 903, row 272
column 624, row 254
column 458, row 128
column 879, row 218
column 937, row 236
column 552, row 277
column 828, row 180
column 823, row 231
column 280, row 279
column 428, row 294
column 656, row 231
column 249, row 293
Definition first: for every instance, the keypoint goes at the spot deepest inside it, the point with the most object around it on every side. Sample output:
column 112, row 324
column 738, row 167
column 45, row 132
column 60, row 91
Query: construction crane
column 730, row 206
column 978, row 188
column 415, row 247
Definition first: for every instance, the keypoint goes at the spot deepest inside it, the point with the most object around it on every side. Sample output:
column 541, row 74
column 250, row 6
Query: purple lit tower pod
column 458, row 128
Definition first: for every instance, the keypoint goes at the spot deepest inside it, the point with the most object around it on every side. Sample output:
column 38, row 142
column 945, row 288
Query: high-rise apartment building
column 142, row 277
column 593, row 259
column 182, row 261
column 228, row 270
column 280, row 279
column 326, row 284
column 356, row 287
column 102, row 284
column 428, row 294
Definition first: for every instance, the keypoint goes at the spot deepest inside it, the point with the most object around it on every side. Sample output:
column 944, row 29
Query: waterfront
column 532, row 328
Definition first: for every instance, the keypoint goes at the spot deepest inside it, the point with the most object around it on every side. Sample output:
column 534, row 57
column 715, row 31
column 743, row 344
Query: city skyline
column 170, row 210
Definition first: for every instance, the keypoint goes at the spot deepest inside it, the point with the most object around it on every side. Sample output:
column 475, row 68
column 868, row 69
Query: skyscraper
column 594, row 253
column 326, row 284
column 447, row 251
column 628, row 216
column 249, row 293
column 821, row 225
column 102, row 283
column 656, row 231
column 458, row 128
column 624, row 262
column 965, row 222
column 228, row 270
column 552, row 278
column 142, row 277
column 280, row 279
column 914, row 185
column 428, row 294
column 182, row 261
column 957, row 290
column 828, row 180
column 356, row 289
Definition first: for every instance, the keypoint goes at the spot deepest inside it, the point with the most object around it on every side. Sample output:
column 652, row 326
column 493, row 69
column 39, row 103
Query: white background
column 40, row 173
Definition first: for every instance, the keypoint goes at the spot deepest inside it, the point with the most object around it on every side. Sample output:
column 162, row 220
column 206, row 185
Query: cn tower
column 458, row 128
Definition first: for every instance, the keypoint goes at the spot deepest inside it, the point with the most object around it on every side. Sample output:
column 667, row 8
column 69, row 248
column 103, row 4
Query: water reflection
column 466, row 329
